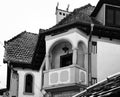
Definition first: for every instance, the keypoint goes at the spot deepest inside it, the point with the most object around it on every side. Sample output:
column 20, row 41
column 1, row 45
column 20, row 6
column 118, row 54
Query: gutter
column 90, row 56
column 41, row 74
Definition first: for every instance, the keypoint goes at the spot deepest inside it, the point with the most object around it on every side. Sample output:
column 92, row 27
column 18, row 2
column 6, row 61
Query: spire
column 67, row 9
column 57, row 7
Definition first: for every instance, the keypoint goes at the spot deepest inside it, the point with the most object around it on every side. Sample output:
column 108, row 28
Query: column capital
column 75, row 48
column 47, row 55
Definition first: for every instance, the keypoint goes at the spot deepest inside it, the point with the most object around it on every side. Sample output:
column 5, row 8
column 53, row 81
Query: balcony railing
column 65, row 76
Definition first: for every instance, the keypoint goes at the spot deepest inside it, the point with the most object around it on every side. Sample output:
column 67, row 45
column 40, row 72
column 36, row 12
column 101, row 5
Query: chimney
column 61, row 14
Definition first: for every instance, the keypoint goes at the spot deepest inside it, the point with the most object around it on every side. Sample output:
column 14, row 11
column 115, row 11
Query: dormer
column 61, row 14
column 108, row 12
column 112, row 17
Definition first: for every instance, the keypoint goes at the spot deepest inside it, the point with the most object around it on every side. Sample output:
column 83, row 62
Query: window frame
column 114, row 9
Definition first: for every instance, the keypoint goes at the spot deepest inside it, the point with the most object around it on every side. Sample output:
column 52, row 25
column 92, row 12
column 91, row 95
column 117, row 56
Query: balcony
column 65, row 76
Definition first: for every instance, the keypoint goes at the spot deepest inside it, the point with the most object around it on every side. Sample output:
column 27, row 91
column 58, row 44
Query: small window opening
column 94, row 47
column 60, row 13
column 63, row 14
column 29, row 83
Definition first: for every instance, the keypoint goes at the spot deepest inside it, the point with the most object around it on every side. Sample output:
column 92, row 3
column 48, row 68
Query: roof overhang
column 98, row 30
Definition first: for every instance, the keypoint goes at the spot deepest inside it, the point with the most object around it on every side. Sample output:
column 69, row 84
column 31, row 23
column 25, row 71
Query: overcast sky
column 17, row 16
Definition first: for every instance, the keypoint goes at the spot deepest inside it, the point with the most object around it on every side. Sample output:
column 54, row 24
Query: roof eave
column 70, row 25
column 112, row 30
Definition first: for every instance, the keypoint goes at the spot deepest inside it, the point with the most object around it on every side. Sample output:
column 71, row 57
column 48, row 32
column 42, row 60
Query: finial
column 57, row 8
column 68, row 7
column 57, row 5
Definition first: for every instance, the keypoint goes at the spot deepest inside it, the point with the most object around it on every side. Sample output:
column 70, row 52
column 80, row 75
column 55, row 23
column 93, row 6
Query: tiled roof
column 81, row 14
column 21, row 48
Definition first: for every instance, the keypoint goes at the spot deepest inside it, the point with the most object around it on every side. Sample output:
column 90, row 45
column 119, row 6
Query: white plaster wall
column 101, row 15
column 37, row 83
column 73, row 35
column 108, row 59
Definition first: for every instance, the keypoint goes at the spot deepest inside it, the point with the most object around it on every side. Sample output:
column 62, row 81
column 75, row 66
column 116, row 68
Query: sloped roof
column 21, row 48
column 82, row 19
column 81, row 14
column 109, row 87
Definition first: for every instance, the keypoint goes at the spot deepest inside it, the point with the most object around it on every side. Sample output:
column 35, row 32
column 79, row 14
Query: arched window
column 28, row 83
column 61, row 54
column 81, row 54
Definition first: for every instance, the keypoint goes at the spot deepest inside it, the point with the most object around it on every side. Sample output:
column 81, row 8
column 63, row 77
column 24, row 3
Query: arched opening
column 61, row 54
column 81, row 54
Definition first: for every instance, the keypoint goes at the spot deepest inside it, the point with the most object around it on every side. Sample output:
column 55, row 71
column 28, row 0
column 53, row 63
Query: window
column 66, row 60
column 112, row 16
column 117, row 17
column 94, row 47
column 29, row 83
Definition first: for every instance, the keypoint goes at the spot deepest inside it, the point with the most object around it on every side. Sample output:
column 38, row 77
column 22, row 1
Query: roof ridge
column 83, row 7
column 15, row 37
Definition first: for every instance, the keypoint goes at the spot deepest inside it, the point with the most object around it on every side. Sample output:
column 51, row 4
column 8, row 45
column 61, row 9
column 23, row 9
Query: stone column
column 47, row 62
column 75, row 56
